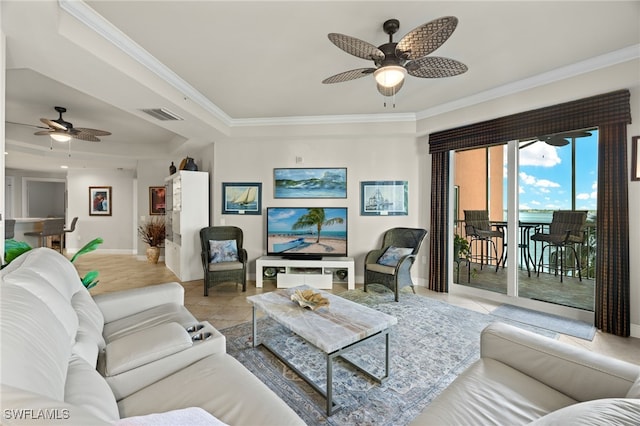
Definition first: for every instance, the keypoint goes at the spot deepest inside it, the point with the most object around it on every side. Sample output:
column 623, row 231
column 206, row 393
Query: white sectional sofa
column 129, row 357
column 524, row 378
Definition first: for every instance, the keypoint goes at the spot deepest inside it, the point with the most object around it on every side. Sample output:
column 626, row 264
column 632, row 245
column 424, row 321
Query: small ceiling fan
column 393, row 61
column 62, row 130
column 557, row 140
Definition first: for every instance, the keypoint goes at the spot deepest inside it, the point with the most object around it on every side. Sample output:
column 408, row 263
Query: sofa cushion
column 86, row 388
column 145, row 346
column 89, row 340
column 192, row 416
column 22, row 408
column 35, row 344
column 490, row 392
column 234, row 402
column 634, row 391
column 609, row 411
column 165, row 313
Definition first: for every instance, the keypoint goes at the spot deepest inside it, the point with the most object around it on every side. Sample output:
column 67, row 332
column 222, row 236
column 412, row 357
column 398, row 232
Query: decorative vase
column 188, row 164
column 172, row 168
column 153, row 254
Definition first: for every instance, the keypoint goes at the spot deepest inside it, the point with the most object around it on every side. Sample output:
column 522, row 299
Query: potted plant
column 460, row 248
column 152, row 232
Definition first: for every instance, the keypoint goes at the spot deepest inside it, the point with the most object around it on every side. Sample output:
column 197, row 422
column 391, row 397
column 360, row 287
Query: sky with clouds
column 545, row 175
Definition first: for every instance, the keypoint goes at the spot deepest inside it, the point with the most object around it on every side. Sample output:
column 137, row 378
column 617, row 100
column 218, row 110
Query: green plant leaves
column 90, row 246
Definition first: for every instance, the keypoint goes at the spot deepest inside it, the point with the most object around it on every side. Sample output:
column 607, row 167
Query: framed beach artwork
column 157, row 204
column 100, row 201
column 310, row 183
column 384, row 198
column 241, row 198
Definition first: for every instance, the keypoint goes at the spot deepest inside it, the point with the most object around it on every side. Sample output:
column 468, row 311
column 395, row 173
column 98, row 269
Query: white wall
column 116, row 230
column 367, row 158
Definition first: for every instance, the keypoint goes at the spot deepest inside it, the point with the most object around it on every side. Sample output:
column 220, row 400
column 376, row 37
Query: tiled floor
column 226, row 305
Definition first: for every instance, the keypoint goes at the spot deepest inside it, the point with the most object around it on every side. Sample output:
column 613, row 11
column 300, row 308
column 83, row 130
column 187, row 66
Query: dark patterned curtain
column 610, row 113
column 439, row 261
column 612, row 257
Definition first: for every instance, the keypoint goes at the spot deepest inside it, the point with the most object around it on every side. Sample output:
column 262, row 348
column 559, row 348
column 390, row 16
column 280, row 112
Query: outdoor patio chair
column 391, row 264
column 565, row 231
column 223, row 258
column 482, row 233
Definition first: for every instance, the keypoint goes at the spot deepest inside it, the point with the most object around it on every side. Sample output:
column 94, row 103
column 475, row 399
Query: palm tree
column 317, row 218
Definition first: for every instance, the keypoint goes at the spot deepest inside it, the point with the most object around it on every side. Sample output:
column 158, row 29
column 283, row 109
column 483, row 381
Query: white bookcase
column 314, row 273
column 187, row 211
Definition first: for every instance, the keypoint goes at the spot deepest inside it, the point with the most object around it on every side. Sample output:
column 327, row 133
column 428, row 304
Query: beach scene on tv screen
column 321, row 231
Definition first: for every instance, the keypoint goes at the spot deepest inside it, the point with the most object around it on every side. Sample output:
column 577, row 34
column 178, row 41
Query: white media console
column 314, row 273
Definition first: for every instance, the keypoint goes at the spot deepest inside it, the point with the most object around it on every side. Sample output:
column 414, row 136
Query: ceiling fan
column 557, row 140
column 62, row 131
column 393, row 61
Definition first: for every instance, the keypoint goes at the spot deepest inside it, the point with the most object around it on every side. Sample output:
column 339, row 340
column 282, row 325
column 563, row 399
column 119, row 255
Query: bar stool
column 50, row 228
column 67, row 231
column 9, row 228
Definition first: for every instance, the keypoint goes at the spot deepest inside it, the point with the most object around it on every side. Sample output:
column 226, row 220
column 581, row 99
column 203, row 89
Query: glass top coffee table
column 335, row 329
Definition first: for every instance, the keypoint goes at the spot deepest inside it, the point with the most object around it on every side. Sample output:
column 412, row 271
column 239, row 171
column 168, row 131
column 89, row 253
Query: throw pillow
column 392, row 255
column 223, row 251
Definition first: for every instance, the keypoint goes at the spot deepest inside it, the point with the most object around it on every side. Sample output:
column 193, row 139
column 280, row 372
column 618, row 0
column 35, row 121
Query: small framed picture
column 100, row 201
column 384, row 198
column 241, row 198
column 157, row 204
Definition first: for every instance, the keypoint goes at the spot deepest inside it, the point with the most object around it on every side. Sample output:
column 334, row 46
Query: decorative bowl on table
column 309, row 299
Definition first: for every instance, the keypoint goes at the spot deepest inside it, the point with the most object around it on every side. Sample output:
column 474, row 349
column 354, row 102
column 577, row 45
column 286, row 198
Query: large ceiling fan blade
column 389, row 91
column 28, row 125
column 53, row 124
column 84, row 136
column 94, row 132
column 356, row 47
column 348, row 75
column 46, row 132
column 435, row 67
column 426, row 38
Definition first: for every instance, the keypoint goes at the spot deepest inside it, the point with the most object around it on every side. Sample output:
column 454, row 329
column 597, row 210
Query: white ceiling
column 228, row 65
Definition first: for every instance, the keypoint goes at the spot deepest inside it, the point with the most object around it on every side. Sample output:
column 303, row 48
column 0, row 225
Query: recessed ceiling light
column 64, row 167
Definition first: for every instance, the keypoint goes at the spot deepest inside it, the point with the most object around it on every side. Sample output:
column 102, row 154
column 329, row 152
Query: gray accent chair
column 222, row 272
column 398, row 276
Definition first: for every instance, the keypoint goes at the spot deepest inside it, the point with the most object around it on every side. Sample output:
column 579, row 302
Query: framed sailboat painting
column 241, row 198
column 384, row 198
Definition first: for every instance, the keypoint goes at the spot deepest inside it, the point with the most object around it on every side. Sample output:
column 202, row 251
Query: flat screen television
column 307, row 232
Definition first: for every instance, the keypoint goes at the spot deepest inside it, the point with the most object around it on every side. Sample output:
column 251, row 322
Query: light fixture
column 390, row 75
column 60, row 137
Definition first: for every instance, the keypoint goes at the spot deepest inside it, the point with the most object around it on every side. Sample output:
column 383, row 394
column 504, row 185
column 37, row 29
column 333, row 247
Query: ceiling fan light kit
column 60, row 137
column 393, row 61
column 390, row 75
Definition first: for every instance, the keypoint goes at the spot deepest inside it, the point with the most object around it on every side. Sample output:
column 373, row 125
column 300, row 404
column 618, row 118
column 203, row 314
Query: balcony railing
column 528, row 248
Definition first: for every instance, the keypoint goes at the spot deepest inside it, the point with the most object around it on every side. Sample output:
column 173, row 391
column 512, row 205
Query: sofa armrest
column 576, row 372
column 121, row 304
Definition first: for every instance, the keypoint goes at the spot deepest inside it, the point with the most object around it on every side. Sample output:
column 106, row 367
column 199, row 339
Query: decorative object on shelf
column 99, row 201
column 309, row 299
column 152, row 232
column 172, row 168
column 310, row 183
column 189, row 164
column 241, row 198
column 384, row 198
column 157, row 204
